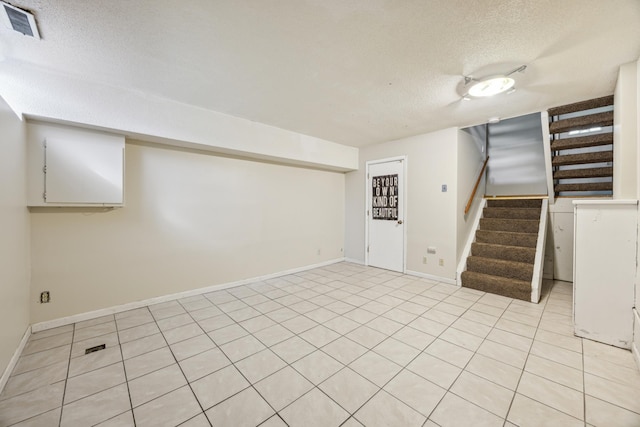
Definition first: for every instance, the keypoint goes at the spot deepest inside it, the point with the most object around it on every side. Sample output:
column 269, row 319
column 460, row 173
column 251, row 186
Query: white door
column 385, row 214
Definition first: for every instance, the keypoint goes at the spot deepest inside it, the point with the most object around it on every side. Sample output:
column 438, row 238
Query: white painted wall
column 14, row 232
column 627, row 146
column 431, row 217
column 39, row 94
column 191, row 220
column 470, row 160
column 625, row 133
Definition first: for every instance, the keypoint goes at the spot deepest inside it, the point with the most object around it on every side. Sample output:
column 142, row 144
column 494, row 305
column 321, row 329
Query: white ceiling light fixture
column 491, row 85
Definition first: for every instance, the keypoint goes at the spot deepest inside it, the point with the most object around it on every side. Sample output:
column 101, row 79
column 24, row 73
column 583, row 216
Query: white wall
column 191, row 219
column 625, row 133
column 470, row 160
column 14, row 232
column 431, row 217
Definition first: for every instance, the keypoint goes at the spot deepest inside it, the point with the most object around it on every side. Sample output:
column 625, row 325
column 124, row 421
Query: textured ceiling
column 355, row 72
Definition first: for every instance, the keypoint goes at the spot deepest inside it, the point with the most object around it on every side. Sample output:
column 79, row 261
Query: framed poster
column 384, row 200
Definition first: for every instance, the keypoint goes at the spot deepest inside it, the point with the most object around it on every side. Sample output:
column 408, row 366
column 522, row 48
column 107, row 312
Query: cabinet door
column 562, row 223
column 84, row 171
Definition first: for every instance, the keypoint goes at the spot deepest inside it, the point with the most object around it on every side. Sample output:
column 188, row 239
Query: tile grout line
column 448, row 390
column 290, row 365
column 524, row 366
column 523, row 371
column 179, row 366
column 380, row 388
column 124, row 369
column 73, row 331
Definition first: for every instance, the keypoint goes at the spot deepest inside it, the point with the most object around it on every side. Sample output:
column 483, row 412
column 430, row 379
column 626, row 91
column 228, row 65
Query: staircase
column 582, row 148
column 503, row 254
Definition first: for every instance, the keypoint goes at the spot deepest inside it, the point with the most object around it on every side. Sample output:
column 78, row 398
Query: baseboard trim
column 49, row 324
column 14, row 359
column 432, row 277
column 354, row 261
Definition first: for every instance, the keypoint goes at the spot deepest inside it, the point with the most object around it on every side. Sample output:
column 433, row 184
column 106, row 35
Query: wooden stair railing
column 475, row 187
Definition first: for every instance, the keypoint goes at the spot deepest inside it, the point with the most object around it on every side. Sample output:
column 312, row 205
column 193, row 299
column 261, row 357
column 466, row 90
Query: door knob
column 399, row 221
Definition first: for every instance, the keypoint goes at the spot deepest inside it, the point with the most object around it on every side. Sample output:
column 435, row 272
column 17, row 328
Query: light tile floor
column 340, row 345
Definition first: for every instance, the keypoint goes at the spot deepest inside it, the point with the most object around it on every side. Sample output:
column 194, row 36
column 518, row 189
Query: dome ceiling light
column 491, row 85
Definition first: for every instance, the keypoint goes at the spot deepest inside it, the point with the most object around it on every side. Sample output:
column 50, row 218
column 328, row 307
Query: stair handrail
column 475, row 187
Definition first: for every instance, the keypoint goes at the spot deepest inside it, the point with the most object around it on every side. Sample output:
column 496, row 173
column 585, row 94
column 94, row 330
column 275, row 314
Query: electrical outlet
column 319, row 251
column 424, row 259
column 44, row 297
column 441, row 262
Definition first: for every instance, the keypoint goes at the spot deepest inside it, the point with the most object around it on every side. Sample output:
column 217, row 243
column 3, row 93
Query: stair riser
column 514, row 203
column 582, row 142
column 495, row 268
column 526, row 255
column 513, row 213
column 583, row 173
column 582, row 105
column 497, row 238
column 582, row 122
column 583, row 159
column 593, row 186
column 515, row 226
column 507, row 291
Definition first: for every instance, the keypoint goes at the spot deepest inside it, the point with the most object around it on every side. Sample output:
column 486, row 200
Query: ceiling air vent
column 19, row 20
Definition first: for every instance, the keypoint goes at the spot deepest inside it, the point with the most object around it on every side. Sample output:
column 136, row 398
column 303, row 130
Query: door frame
column 403, row 193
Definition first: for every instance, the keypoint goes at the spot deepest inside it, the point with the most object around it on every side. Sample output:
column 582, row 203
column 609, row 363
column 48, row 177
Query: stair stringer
column 462, row 264
column 546, row 138
column 538, row 265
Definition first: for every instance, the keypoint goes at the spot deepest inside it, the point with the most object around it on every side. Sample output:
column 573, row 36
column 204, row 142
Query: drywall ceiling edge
column 63, row 99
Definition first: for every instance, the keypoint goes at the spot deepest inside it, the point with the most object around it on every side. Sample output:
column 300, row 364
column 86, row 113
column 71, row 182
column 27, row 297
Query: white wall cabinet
column 605, row 242
column 74, row 167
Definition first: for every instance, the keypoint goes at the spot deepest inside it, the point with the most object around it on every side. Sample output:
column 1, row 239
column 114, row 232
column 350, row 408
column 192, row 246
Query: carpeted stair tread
column 583, row 173
column 511, row 288
column 587, row 186
column 582, row 141
column 514, row 203
column 582, row 122
column 577, row 159
column 513, row 225
column 507, row 238
column 582, row 106
column 499, row 267
column 514, row 213
column 503, row 252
